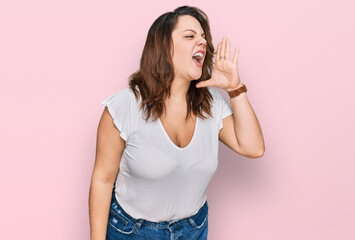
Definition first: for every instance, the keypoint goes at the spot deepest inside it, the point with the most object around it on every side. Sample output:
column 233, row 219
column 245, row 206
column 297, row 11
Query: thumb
column 204, row 83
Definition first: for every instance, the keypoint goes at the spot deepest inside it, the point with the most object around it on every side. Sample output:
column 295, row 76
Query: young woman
column 157, row 143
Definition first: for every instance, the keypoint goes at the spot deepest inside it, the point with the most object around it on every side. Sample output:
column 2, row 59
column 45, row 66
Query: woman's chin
column 196, row 75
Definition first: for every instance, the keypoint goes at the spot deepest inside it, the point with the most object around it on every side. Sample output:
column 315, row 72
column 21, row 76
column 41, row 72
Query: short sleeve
column 225, row 109
column 119, row 107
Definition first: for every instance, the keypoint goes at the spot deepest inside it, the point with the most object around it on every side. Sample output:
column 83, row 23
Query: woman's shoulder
column 119, row 99
column 123, row 94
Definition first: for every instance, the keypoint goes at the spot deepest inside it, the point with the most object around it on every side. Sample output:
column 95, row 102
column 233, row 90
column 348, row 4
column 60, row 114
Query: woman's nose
column 202, row 41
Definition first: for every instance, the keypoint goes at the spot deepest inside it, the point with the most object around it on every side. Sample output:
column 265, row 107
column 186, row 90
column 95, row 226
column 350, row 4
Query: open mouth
column 198, row 59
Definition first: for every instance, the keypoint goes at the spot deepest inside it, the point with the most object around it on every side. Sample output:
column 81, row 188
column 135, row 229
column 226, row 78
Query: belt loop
column 192, row 222
column 139, row 223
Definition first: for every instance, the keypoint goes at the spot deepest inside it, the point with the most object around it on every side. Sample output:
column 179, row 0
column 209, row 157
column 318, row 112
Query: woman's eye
column 189, row 36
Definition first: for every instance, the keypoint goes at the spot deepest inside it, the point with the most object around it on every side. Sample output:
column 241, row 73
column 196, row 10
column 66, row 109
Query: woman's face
column 188, row 38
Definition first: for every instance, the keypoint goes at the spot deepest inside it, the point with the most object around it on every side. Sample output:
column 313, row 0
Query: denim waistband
column 197, row 217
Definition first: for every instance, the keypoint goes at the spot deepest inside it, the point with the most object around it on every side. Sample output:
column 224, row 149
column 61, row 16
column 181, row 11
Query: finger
column 218, row 52
column 228, row 42
column 222, row 54
column 235, row 57
column 238, row 54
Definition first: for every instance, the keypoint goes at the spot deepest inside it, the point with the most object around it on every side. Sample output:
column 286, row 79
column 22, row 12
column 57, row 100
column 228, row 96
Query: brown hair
column 156, row 73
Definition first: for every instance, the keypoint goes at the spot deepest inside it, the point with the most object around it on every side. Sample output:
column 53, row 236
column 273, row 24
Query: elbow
column 261, row 150
column 260, row 153
column 255, row 151
column 256, row 154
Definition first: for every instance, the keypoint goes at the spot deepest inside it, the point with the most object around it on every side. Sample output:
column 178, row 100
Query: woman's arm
column 241, row 131
column 109, row 150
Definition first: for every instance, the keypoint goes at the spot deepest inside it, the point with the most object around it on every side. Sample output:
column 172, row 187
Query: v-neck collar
column 167, row 136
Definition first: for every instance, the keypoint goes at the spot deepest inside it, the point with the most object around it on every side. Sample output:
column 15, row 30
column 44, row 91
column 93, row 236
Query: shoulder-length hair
column 156, row 73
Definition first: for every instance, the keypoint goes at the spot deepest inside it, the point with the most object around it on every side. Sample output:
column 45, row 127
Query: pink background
column 60, row 59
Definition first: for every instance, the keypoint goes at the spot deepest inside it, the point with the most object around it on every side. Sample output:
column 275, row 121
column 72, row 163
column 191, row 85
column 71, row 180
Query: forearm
column 247, row 127
column 99, row 206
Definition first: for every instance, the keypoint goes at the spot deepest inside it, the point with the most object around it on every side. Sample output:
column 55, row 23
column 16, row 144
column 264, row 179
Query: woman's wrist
column 234, row 88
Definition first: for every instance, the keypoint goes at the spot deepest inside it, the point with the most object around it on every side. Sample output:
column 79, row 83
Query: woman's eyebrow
column 193, row 31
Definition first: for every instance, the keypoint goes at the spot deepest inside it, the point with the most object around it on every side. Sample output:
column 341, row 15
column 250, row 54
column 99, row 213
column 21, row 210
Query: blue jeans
column 123, row 226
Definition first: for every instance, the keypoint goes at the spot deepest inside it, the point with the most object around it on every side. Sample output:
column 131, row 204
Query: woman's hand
column 225, row 74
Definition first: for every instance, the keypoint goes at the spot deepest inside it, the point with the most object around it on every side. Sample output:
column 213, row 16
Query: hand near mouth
column 225, row 74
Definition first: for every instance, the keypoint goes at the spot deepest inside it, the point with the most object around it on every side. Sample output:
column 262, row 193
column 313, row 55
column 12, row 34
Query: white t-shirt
column 157, row 180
